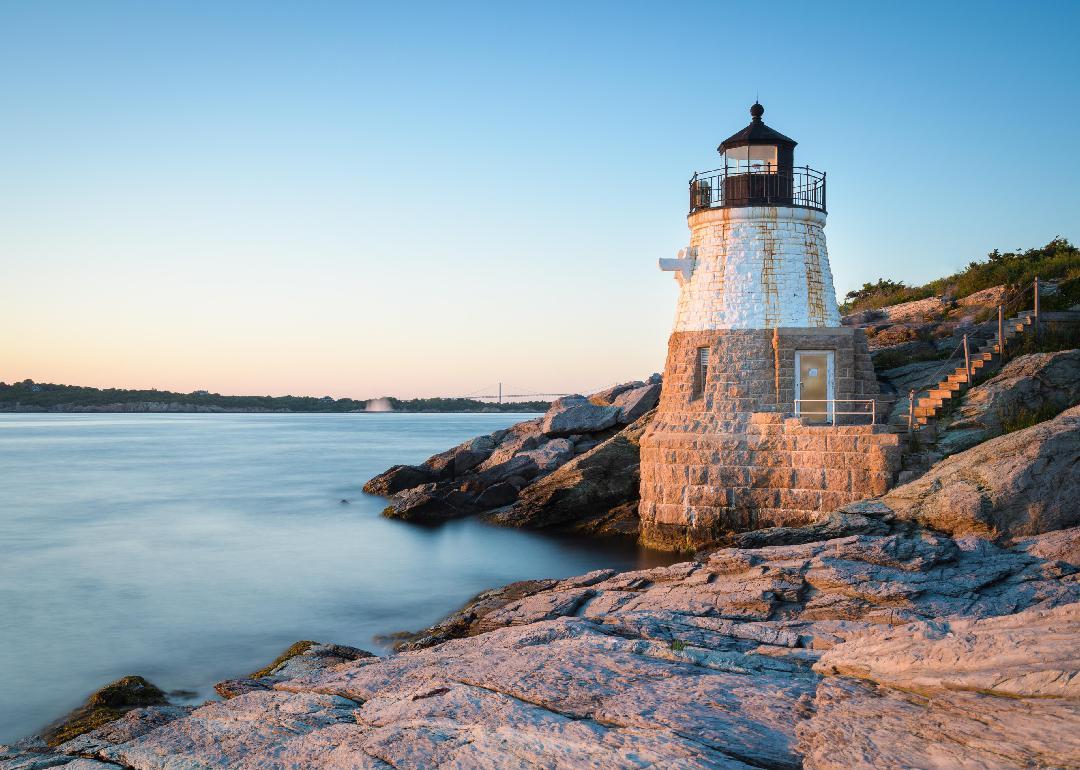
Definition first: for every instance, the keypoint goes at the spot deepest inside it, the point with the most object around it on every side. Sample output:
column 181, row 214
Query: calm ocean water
column 192, row 548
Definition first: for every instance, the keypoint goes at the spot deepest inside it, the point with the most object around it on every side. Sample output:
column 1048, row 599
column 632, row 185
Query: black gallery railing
column 764, row 185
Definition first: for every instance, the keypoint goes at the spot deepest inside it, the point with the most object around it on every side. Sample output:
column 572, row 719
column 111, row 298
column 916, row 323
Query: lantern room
column 759, row 170
column 758, row 149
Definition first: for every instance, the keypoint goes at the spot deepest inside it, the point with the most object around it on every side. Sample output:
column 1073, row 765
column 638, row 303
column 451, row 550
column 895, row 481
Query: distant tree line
column 61, row 398
column 1057, row 261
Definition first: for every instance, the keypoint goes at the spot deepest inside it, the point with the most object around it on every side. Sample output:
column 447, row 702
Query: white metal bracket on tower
column 682, row 266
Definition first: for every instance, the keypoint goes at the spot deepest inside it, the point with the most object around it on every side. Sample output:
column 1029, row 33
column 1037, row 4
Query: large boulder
column 1028, row 389
column 1019, row 484
column 552, row 454
column 462, row 458
column 522, row 437
column 397, row 479
column 429, row 503
column 636, row 402
column 586, row 488
column 521, row 465
column 576, row 414
column 607, row 396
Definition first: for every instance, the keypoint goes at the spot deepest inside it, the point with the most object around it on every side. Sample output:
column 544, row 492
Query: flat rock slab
column 903, row 648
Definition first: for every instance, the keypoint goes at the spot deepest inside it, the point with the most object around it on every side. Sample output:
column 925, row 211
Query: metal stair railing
column 1008, row 303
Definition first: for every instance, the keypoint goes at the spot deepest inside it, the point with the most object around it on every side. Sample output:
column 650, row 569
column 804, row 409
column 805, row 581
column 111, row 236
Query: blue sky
column 421, row 199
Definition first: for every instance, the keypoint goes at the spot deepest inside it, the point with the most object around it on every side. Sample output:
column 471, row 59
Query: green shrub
column 1051, row 339
column 677, row 645
column 1058, row 260
column 1019, row 418
column 1066, row 296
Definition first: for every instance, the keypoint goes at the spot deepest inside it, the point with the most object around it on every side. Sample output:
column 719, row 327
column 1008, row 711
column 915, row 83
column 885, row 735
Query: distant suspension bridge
column 501, row 392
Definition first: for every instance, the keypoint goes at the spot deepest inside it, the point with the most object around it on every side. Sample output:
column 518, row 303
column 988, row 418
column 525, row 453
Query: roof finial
column 756, row 111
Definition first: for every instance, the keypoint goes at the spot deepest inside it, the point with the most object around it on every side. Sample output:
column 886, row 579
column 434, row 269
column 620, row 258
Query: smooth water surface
column 193, row 548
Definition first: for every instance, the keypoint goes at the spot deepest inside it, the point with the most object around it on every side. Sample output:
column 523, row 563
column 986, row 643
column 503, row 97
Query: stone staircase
column 929, row 404
column 928, row 407
column 921, row 424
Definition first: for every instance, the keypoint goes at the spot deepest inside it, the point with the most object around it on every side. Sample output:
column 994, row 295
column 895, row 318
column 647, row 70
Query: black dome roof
column 756, row 133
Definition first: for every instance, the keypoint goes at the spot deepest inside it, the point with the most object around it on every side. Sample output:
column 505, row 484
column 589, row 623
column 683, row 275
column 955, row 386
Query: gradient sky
column 410, row 199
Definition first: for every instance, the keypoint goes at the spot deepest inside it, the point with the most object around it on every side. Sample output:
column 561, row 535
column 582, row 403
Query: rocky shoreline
column 903, row 648
column 881, row 636
column 574, row 469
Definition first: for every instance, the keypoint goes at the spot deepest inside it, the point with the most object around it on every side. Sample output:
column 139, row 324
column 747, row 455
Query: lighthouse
column 769, row 414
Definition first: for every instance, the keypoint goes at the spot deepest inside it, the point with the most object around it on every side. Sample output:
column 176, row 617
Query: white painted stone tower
column 756, row 267
column 767, row 411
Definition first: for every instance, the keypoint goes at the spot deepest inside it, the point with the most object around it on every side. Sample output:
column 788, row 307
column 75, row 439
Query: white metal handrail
column 830, row 407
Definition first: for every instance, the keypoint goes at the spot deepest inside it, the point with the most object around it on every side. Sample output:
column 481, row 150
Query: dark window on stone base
column 701, row 370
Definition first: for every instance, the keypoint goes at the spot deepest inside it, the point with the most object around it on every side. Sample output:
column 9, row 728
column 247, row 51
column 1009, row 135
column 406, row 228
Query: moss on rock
column 106, row 705
column 297, row 648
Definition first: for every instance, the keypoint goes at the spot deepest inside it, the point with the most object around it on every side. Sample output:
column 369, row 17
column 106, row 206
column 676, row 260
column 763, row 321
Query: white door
column 814, row 385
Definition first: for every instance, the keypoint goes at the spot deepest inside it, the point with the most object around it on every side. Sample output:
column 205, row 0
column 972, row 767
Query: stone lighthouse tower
column 768, row 412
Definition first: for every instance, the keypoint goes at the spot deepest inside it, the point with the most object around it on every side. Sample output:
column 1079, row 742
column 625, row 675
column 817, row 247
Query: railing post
column 910, row 409
column 1036, row 312
column 873, row 411
column 1001, row 331
column 967, row 359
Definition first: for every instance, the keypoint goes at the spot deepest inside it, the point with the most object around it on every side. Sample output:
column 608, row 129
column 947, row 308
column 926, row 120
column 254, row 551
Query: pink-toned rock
column 995, row 693
column 1063, row 545
column 1029, row 654
column 858, row 726
column 798, row 654
column 1022, row 483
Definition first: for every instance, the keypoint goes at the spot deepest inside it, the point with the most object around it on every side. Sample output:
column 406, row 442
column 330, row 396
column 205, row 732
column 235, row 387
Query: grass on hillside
column 1022, row 417
column 1057, row 261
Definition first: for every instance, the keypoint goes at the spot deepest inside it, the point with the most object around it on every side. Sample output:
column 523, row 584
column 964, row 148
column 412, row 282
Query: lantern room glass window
column 751, row 159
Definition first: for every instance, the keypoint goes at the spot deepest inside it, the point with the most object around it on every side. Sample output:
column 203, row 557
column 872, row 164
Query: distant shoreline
column 28, row 397
column 185, row 409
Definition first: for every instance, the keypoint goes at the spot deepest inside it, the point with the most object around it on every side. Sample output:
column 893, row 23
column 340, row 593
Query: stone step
column 961, row 377
column 943, row 393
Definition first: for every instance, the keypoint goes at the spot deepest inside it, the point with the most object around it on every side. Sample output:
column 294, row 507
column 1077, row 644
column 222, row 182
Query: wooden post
column 1001, row 331
column 967, row 360
column 1036, row 312
column 910, row 409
